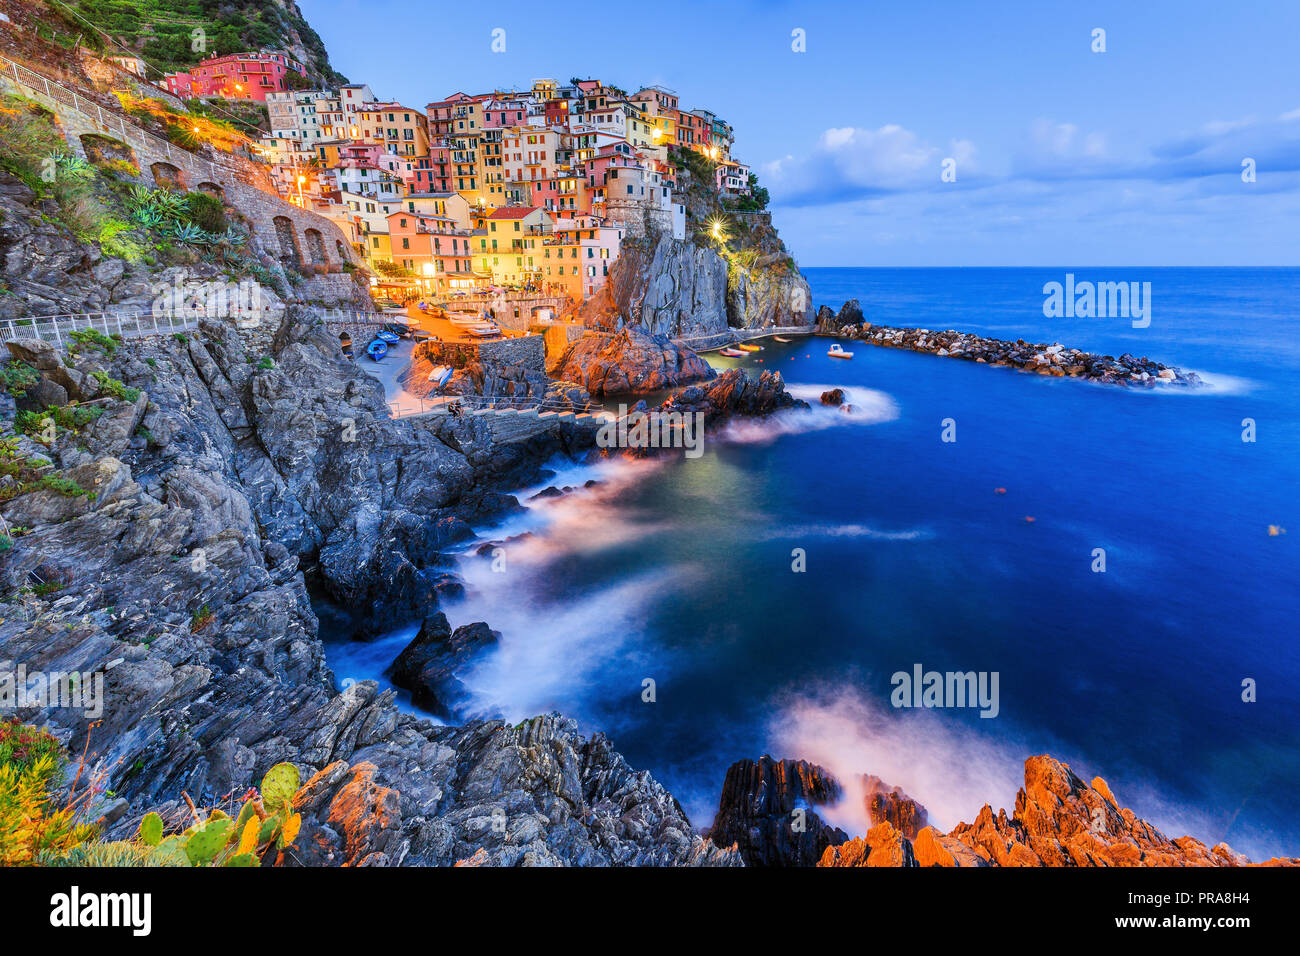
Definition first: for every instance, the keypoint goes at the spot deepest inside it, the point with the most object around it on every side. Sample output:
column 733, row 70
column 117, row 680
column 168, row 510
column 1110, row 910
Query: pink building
column 237, row 76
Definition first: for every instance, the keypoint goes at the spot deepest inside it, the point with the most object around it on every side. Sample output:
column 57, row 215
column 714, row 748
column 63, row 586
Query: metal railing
column 110, row 120
column 133, row 324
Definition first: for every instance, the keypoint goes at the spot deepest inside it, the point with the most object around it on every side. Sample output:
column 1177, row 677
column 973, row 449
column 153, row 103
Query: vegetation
column 29, row 474
column 33, row 832
column 94, row 339
column 44, row 426
column 162, row 31
column 17, row 377
column 115, row 388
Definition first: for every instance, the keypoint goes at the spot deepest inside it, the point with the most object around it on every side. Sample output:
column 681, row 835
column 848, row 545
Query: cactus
column 279, row 785
column 203, row 845
column 151, row 829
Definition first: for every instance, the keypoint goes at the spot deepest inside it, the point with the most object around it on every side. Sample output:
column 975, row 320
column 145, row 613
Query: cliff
column 168, row 543
column 1058, row 821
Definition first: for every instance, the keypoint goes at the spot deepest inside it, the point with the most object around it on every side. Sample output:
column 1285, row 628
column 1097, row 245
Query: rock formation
column 734, row 393
column 630, row 360
column 767, row 812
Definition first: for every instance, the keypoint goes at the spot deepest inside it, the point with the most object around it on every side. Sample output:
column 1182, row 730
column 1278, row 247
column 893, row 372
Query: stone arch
column 168, row 176
column 290, row 253
column 215, row 190
column 316, row 248
column 105, row 149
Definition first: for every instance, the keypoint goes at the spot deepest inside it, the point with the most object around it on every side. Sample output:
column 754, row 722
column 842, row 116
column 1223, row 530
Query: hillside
column 161, row 31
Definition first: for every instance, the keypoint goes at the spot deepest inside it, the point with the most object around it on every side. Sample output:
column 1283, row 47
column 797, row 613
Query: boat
column 731, row 353
column 440, row 375
column 750, row 348
column 781, row 340
column 377, row 349
column 389, row 337
column 419, row 335
column 401, row 331
column 837, row 351
column 347, row 351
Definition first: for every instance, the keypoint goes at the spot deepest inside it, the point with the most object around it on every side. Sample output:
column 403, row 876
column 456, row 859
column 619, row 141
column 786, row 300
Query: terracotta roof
column 512, row 212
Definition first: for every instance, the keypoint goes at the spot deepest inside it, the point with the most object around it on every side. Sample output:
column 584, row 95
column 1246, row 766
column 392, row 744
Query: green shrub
column 206, row 212
column 115, row 388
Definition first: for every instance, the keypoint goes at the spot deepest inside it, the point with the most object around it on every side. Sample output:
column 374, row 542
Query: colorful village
column 510, row 190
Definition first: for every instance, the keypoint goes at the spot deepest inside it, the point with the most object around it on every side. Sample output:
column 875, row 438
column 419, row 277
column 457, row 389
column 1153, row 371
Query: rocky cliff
column 630, row 360
column 686, row 289
column 168, row 543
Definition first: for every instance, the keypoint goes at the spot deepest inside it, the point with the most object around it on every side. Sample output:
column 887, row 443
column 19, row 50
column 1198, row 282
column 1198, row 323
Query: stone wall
column 297, row 237
column 527, row 352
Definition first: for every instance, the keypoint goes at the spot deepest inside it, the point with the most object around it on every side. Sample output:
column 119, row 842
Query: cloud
column 850, row 162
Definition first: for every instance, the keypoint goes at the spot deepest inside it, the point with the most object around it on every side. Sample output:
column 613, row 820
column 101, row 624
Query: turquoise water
column 681, row 571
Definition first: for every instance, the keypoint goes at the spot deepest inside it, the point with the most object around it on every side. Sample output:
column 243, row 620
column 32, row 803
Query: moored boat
column 440, row 375
column 377, row 349
column 781, row 340
column 731, row 353
column 837, row 351
column 750, row 348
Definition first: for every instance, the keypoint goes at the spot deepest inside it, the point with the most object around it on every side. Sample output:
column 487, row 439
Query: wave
column 867, row 406
column 841, row 531
column 950, row 769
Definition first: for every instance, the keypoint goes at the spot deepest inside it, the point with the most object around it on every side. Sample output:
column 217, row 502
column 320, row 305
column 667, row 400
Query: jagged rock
column 734, row 393
column 882, row 846
column 427, row 666
column 766, row 810
column 631, row 360
column 886, row 804
column 834, row 397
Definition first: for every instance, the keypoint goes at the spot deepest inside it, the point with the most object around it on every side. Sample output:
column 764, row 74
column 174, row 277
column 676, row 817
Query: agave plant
column 75, row 167
column 148, row 217
column 168, row 203
column 234, row 238
column 140, row 197
column 188, row 233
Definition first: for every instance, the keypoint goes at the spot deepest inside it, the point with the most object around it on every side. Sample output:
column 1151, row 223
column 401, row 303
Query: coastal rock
column 833, row 397
column 766, row 811
column 734, row 393
column 886, row 804
column 882, row 846
column 428, row 665
column 631, row 360
column 1054, row 360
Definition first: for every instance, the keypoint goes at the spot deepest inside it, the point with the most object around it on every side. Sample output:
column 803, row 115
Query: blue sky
column 1063, row 156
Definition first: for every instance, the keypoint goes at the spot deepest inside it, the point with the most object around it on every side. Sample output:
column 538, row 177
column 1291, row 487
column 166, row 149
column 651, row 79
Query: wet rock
column 834, row 397
column 767, row 812
column 631, row 360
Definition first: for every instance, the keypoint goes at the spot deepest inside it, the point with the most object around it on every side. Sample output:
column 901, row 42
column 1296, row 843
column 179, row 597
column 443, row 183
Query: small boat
column 440, row 375
column 419, row 335
column 731, row 353
column 385, row 336
column 377, row 349
column 347, row 351
column 781, row 340
column 837, row 351
column 750, row 348
column 401, row 331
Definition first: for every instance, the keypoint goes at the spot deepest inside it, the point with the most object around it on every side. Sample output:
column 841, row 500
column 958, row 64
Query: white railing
column 123, row 324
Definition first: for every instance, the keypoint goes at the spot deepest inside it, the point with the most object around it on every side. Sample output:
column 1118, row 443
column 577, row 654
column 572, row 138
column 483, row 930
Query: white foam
column 867, row 407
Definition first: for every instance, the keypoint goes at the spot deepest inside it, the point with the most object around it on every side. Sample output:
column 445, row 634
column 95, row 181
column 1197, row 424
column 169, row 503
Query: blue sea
column 759, row 599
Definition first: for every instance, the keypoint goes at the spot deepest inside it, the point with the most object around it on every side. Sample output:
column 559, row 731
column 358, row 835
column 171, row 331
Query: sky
column 1058, row 153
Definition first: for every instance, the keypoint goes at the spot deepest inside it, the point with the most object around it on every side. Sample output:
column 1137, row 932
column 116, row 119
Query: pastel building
column 237, row 76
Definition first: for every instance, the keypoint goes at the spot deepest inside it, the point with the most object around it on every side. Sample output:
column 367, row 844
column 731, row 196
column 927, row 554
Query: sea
column 1124, row 563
